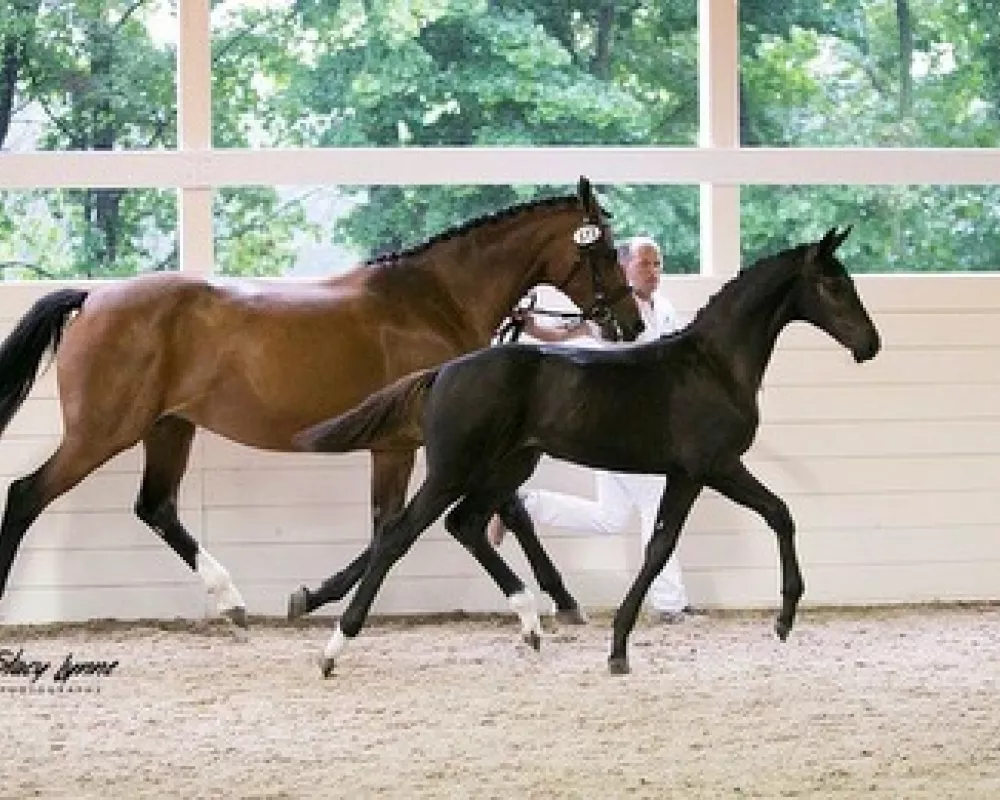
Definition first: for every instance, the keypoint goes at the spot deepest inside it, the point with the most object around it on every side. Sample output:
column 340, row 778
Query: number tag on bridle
column 586, row 235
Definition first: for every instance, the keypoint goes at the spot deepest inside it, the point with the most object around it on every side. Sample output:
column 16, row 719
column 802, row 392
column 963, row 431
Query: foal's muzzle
column 868, row 349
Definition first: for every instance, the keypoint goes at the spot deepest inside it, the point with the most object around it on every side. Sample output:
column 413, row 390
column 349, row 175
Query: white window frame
column 718, row 165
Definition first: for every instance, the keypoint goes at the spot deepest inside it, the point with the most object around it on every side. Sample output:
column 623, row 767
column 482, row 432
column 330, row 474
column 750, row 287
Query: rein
column 599, row 311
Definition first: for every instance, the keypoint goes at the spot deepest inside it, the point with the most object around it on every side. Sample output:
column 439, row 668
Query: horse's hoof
column 618, row 665
column 782, row 629
column 298, row 603
column 534, row 640
column 237, row 616
column 571, row 616
column 326, row 666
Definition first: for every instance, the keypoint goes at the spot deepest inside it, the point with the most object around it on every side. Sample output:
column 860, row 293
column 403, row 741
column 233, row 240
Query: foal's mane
column 385, row 259
column 763, row 276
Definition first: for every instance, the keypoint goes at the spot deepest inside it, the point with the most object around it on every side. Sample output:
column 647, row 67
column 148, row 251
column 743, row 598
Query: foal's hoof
column 326, row 666
column 782, row 628
column 571, row 616
column 237, row 616
column 298, row 603
column 534, row 640
column 618, row 665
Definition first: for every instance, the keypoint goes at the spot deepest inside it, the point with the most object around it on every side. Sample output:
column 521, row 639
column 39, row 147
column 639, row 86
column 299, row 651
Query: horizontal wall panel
column 892, row 439
column 127, row 602
column 140, row 566
column 927, row 402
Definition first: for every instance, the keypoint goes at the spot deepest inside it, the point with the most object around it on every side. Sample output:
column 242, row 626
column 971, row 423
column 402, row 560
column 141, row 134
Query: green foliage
column 398, row 73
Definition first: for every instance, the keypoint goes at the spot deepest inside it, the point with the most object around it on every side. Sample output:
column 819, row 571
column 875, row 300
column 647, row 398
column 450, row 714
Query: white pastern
column 526, row 607
column 336, row 645
column 218, row 582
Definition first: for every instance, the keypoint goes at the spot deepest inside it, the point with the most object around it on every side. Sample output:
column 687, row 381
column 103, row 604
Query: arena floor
column 883, row 703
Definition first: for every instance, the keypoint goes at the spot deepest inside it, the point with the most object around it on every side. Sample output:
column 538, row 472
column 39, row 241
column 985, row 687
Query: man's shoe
column 668, row 617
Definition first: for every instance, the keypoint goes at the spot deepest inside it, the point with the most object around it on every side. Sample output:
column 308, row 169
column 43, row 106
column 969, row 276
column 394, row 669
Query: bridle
column 588, row 237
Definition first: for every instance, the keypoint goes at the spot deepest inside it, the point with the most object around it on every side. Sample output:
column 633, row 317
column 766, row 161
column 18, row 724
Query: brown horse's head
column 589, row 272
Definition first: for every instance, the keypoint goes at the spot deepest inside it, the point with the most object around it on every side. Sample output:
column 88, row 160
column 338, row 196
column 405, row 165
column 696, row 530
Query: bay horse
column 684, row 406
column 151, row 358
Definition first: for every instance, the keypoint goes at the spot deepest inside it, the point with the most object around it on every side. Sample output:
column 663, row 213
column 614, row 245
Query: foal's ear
column 832, row 240
column 839, row 239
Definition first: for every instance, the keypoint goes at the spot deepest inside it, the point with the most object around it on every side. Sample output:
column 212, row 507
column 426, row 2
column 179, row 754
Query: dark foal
column 151, row 358
column 684, row 406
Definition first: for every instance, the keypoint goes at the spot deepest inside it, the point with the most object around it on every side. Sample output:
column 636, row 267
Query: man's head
column 642, row 264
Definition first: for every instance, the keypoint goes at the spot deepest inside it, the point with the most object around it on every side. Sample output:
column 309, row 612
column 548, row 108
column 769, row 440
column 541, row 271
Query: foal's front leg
column 736, row 483
column 675, row 504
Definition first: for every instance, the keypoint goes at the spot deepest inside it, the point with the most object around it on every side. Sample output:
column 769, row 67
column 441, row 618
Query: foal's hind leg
column 467, row 522
column 167, row 447
column 517, row 520
column 390, row 543
column 27, row 497
column 391, row 472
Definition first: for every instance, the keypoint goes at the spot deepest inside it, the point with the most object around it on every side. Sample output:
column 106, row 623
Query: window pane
column 871, row 73
column 306, row 231
column 896, row 228
column 87, row 75
column 502, row 72
column 80, row 233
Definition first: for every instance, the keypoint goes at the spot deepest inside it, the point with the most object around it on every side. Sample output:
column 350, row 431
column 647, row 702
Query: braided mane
column 471, row 225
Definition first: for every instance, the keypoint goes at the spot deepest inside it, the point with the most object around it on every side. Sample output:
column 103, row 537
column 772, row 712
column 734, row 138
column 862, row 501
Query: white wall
column 891, row 470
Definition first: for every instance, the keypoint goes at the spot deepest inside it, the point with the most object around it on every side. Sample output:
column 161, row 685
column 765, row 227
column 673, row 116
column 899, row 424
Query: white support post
column 194, row 121
column 719, row 117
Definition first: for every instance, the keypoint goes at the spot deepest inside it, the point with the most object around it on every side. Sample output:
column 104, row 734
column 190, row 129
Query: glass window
column 87, row 233
column 483, row 72
column 870, row 73
column 309, row 231
column 88, row 75
column 896, row 228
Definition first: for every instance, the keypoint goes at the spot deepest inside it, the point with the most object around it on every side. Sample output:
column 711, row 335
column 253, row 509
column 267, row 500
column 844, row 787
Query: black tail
column 389, row 419
column 38, row 331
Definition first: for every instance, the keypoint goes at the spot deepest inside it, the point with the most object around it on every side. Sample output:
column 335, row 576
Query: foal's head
column 587, row 270
column 829, row 299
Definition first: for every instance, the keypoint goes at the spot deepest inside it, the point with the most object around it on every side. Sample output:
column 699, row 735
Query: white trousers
column 617, row 493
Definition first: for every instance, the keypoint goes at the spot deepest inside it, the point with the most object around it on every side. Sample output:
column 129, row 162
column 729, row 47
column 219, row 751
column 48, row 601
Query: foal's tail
column 39, row 331
column 389, row 419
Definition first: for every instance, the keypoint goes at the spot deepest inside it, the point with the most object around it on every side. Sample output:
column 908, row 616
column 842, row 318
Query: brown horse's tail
column 39, row 331
column 389, row 419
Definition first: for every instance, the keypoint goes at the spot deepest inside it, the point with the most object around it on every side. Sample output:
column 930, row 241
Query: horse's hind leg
column 27, row 497
column 517, row 520
column 167, row 448
column 391, row 472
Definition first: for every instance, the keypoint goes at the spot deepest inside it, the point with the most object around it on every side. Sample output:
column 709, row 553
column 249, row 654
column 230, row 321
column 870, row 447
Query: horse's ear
column 586, row 194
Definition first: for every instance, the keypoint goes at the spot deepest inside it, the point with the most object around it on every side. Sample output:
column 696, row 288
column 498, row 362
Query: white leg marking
column 218, row 582
column 336, row 645
column 523, row 603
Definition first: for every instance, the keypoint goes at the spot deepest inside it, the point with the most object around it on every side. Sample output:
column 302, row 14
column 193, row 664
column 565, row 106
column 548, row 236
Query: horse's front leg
column 675, row 505
column 390, row 479
column 736, row 483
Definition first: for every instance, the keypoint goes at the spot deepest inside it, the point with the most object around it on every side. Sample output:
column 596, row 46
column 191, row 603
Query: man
column 617, row 492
